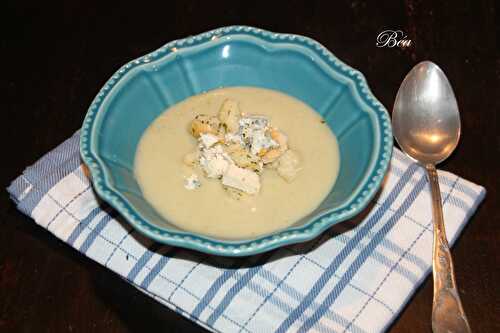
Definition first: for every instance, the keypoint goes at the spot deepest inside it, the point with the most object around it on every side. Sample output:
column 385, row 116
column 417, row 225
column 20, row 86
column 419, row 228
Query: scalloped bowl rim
column 356, row 203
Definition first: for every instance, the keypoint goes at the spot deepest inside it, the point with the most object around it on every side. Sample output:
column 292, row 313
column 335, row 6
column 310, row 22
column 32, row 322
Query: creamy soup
column 208, row 210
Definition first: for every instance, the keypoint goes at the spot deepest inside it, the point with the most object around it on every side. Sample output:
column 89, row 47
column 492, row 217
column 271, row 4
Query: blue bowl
column 236, row 56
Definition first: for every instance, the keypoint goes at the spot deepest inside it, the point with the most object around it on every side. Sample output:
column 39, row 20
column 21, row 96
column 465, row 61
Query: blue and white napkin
column 356, row 277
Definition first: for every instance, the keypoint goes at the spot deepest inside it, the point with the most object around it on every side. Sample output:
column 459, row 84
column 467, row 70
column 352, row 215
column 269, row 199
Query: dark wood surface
column 56, row 55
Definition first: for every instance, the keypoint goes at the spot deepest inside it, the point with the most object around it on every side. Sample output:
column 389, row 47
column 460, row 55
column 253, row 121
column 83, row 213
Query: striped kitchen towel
column 356, row 277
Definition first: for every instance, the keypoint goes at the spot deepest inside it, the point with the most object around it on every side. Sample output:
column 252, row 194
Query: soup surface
column 209, row 210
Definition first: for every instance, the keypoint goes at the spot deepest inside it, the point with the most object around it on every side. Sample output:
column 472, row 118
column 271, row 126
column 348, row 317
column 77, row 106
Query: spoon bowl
column 425, row 119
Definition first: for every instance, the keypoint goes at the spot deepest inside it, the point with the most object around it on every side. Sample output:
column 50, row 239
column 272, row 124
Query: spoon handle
column 447, row 311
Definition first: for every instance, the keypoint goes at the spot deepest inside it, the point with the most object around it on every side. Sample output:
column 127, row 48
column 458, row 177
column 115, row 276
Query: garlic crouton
column 229, row 115
column 244, row 159
column 203, row 124
column 289, row 165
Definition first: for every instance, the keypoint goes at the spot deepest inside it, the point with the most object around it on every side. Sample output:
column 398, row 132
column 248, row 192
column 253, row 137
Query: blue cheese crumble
column 192, row 182
column 214, row 161
column 255, row 133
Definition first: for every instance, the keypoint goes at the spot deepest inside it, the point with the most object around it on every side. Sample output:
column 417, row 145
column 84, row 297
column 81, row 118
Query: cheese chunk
column 233, row 138
column 214, row 161
column 241, row 179
column 208, row 140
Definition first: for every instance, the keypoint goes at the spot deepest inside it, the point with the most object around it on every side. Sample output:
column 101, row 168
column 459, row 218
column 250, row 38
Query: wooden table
column 57, row 56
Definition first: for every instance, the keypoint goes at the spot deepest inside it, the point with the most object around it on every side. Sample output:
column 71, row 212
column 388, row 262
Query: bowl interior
column 237, row 60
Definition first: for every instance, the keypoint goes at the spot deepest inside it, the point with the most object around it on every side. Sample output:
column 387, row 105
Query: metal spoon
column 426, row 125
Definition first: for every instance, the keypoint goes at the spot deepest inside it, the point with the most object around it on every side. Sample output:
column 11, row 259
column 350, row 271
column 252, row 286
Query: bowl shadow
column 232, row 263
